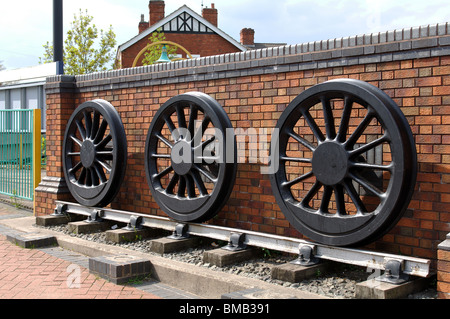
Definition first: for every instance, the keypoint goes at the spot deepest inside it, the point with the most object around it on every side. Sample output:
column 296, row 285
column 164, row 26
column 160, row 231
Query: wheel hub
column 182, row 157
column 330, row 163
column 87, row 153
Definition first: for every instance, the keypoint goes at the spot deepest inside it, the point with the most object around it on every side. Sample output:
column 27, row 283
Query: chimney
column 157, row 11
column 247, row 36
column 210, row 14
column 143, row 25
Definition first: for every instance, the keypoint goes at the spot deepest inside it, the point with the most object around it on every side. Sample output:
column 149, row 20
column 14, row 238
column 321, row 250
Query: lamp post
column 58, row 35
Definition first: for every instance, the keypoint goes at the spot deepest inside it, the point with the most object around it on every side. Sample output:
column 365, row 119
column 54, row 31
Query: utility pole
column 58, row 35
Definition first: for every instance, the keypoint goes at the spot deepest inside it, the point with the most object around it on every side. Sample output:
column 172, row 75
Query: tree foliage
column 82, row 52
column 2, row 67
column 154, row 53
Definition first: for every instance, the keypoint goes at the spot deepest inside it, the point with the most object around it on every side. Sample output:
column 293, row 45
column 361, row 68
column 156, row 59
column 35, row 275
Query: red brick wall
column 443, row 274
column 197, row 44
column 255, row 88
column 420, row 87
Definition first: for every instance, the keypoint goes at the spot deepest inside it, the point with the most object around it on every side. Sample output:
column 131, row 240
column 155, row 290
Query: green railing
column 20, row 157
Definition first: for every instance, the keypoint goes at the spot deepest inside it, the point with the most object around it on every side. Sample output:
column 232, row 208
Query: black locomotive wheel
column 188, row 172
column 347, row 163
column 94, row 153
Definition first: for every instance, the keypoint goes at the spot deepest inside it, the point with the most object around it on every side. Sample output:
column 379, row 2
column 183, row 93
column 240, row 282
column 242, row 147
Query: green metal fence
column 17, row 166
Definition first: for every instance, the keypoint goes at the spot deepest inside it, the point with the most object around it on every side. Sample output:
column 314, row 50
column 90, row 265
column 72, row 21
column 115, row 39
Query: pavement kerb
column 193, row 279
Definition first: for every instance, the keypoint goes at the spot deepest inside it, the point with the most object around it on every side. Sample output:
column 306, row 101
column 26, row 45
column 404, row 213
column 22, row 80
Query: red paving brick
column 33, row 274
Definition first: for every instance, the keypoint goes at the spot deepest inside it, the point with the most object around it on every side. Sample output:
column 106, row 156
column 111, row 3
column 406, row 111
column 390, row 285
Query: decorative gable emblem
column 184, row 22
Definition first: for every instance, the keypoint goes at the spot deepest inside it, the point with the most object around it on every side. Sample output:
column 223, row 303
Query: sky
column 26, row 25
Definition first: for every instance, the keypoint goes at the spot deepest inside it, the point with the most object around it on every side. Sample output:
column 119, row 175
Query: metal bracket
column 60, row 210
column 393, row 273
column 180, row 232
column 306, row 256
column 236, row 242
column 95, row 216
column 134, row 224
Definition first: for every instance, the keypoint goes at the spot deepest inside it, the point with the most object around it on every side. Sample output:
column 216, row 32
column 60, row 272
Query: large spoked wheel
column 94, row 153
column 347, row 163
column 189, row 158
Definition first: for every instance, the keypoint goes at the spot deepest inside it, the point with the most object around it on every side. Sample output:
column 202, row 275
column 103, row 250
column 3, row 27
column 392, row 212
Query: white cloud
column 26, row 25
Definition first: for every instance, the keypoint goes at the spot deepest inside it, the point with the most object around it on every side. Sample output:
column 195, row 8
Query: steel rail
column 358, row 257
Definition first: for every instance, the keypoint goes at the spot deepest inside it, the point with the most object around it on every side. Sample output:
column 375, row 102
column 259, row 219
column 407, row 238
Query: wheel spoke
column 190, row 186
column 73, row 154
column 355, row 197
column 370, row 188
column 105, row 166
column 311, row 193
column 94, row 177
column 181, row 117
column 81, row 129
column 192, row 118
column 88, row 123
column 171, row 128
column 104, row 142
column 369, row 146
column 296, row 159
column 77, row 141
column 95, row 124
column 76, row 168
column 164, row 172
column 161, row 156
column 345, row 119
column 326, row 197
column 173, row 182
column 198, row 181
column 297, row 180
column 373, row 166
column 339, row 197
column 329, row 119
column 164, row 140
column 198, row 135
column 101, row 132
column 82, row 178
column 100, row 173
column 206, row 143
column 313, row 126
column 301, row 140
column 182, row 186
column 206, row 173
column 359, row 130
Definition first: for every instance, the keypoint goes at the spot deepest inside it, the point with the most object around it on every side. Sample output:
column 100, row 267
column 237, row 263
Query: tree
column 154, row 53
column 81, row 54
column 1, row 66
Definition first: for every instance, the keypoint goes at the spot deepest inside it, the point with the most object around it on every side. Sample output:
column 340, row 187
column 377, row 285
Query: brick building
column 199, row 34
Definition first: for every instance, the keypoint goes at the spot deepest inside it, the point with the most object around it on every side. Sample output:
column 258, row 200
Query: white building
column 24, row 88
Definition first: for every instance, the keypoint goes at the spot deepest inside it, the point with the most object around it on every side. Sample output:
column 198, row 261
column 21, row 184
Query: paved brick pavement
column 34, row 274
column 56, row 273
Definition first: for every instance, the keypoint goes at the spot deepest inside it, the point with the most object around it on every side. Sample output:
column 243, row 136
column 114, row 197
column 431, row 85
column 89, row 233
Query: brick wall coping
column 445, row 245
column 409, row 43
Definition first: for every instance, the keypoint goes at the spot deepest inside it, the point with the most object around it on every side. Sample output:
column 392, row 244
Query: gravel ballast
column 339, row 283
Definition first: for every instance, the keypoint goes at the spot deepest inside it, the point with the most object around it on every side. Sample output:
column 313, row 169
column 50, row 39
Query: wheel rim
column 95, row 153
column 347, row 183
column 186, row 157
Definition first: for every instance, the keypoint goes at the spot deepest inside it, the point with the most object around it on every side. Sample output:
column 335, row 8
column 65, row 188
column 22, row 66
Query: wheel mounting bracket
column 393, row 273
column 134, row 223
column 236, row 242
column 95, row 216
column 180, row 232
column 60, row 210
column 306, row 256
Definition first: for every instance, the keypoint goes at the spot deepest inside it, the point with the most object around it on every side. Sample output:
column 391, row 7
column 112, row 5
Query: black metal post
column 58, row 34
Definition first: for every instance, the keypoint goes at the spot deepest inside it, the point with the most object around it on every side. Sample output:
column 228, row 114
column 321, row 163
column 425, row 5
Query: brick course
column 254, row 88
